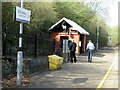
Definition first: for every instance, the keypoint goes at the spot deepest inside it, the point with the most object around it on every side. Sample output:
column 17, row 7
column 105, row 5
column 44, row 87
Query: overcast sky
column 113, row 12
column 112, row 7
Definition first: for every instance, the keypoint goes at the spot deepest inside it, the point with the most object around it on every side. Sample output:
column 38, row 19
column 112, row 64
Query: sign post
column 20, row 54
column 22, row 15
column 97, row 34
column 110, row 40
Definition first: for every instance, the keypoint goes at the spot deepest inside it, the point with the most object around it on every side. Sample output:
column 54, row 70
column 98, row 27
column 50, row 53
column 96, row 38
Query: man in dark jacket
column 72, row 48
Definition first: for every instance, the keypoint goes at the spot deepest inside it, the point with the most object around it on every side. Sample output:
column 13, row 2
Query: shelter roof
column 74, row 26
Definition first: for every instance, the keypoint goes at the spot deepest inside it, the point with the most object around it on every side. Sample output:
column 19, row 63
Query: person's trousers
column 90, row 55
column 72, row 55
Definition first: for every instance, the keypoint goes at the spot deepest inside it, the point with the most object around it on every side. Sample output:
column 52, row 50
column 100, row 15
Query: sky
column 112, row 8
column 113, row 12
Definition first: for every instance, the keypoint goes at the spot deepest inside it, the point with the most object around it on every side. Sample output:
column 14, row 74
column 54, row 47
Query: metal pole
column 97, row 35
column 20, row 54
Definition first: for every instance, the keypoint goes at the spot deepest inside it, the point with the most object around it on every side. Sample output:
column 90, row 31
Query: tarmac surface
column 112, row 79
column 81, row 74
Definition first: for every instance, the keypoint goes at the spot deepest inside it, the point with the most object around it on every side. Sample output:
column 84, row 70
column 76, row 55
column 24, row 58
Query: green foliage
column 45, row 14
column 7, row 17
column 85, row 15
column 42, row 17
column 103, row 35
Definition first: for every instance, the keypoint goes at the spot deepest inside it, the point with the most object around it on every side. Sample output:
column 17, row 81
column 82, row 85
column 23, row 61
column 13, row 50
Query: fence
column 33, row 46
column 56, row 49
column 36, row 48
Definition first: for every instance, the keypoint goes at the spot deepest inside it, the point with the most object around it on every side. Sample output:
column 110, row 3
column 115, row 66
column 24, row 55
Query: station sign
column 110, row 39
column 22, row 15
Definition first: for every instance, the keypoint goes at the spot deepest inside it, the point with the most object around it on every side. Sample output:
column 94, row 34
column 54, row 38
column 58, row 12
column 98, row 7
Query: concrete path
column 112, row 79
column 77, row 75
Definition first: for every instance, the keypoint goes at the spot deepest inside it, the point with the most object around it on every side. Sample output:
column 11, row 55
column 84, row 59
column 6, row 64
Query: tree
column 42, row 17
column 45, row 14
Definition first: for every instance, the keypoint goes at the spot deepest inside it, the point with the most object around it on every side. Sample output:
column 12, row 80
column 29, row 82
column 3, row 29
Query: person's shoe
column 75, row 61
column 71, row 61
column 90, row 61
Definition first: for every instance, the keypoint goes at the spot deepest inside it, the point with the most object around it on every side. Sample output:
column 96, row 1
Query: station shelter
column 66, row 29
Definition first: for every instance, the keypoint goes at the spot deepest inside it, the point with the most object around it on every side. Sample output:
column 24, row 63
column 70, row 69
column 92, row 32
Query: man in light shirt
column 90, row 48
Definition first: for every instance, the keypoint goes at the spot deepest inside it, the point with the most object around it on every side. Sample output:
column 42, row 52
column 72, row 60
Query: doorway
column 61, row 40
column 82, row 43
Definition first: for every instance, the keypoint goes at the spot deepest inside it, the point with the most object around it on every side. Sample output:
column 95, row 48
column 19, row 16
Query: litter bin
column 55, row 62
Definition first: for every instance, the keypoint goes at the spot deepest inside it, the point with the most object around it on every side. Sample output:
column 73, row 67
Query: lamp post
column 20, row 54
column 97, row 34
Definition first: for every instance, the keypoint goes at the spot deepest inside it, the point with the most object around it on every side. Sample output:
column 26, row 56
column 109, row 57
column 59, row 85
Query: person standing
column 90, row 48
column 72, row 48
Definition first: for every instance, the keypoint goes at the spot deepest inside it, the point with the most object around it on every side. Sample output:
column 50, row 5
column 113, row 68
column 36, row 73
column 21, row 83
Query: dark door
column 82, row 40
column 61, row 40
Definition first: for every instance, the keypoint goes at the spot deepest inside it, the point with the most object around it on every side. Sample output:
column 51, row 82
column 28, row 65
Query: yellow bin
column 55, row 62
column 54, row 67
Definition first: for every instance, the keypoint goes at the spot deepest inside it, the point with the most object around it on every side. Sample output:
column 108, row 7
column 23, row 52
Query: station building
column 66, row 29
